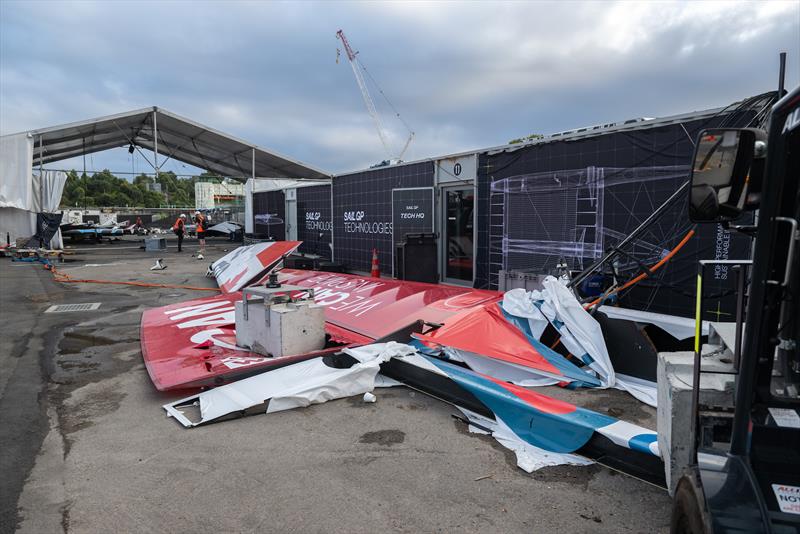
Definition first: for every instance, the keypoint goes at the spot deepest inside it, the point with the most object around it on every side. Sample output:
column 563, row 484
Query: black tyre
column 688, row 508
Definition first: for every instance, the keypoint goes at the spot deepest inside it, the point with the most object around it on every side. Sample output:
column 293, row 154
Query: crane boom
column 371, row 109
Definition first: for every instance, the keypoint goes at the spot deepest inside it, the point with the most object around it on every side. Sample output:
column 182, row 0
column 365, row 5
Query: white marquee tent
column 23, row 192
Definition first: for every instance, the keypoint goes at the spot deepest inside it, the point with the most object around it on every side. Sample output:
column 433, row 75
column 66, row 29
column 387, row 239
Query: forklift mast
column 754, row 485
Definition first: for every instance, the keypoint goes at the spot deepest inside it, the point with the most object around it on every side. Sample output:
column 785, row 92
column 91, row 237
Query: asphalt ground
column 86, row 446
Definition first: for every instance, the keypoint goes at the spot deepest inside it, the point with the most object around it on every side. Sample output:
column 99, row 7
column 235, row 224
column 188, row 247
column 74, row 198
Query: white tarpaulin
column 293, row 386
column 47, row 191
column 17, row 218
column 16, row 162
column 50, row 187
column 15, row 223
column 24, row 194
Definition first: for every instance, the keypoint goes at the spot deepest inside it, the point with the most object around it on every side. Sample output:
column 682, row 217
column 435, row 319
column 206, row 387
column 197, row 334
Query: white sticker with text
column 788, row 498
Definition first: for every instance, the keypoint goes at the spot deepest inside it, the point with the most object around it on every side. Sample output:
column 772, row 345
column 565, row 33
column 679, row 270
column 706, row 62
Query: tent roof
column 178, row 138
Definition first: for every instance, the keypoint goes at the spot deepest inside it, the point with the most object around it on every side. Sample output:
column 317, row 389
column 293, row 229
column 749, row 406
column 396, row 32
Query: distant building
column 209, row 195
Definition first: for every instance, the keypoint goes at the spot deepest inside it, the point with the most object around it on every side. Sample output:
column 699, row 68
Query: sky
column 463, row 75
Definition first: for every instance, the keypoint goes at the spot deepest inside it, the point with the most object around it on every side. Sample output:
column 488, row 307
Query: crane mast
column 371, row 109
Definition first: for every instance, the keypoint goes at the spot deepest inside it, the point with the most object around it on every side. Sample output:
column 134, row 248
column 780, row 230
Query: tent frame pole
column 41, row 173
column 155, row 147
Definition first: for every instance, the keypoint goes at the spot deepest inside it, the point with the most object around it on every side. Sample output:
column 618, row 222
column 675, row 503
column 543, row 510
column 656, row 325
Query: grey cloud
column 464, row 76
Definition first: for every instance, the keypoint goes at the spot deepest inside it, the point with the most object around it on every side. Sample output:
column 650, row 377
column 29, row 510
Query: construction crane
column 357, row 67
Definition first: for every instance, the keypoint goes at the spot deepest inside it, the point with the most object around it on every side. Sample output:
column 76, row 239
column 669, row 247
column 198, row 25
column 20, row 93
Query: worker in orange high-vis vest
column 180, row 228
column 200, row 228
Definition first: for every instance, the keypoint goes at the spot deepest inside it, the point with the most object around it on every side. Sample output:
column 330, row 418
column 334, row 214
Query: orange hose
column 65, row 278
column 644, row 275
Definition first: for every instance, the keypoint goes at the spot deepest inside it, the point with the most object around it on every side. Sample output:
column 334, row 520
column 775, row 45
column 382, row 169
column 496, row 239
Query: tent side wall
column 574, row 199
column 17, row 215
column 362, row 212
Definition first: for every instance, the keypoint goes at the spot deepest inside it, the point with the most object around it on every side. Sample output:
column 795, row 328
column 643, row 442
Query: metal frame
column 697, row 369
column 68, row 140
column 265, row 295
column 678, row 194
column 433, row 215
column 290, row 209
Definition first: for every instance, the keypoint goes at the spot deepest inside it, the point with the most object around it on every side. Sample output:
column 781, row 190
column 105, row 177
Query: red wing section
column 375, row 307
column 193, row 344
column 485, row 331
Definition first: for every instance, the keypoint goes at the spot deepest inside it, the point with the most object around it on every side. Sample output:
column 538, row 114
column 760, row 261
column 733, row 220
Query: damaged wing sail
column 244, row 265
column 294, row 386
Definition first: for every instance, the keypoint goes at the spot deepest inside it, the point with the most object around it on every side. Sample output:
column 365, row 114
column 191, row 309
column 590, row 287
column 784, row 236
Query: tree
column 103, row 189
column 143, row 181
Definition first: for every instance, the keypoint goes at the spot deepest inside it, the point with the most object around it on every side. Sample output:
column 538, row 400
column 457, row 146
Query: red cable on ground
column 61, row 277
column 644, row 275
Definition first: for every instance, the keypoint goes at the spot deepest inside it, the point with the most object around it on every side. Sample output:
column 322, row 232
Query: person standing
column 180, row 228
column 200, row 228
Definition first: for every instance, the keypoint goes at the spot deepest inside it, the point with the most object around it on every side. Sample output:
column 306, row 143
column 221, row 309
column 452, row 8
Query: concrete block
column 674, row 412
column 281, row 329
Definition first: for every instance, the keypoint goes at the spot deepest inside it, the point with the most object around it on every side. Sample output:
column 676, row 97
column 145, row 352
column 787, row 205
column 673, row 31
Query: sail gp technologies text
column 354, row 223
column 313, row 222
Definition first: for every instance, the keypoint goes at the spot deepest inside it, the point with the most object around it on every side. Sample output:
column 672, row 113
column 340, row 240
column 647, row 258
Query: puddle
column 384, row 437
column 75, row 342
column 80, row 367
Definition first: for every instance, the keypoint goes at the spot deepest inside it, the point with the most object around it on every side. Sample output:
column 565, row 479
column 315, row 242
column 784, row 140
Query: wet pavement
column 87, row 447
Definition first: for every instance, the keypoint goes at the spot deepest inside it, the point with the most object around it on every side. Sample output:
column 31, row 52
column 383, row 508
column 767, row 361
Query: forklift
column 745, row 469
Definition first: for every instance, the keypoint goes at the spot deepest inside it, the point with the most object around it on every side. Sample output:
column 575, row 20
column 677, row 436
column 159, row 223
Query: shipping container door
column 291, row 214
column 458, row 234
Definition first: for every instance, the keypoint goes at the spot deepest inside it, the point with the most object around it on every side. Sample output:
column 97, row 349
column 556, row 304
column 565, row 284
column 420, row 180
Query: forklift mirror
column 720, row 174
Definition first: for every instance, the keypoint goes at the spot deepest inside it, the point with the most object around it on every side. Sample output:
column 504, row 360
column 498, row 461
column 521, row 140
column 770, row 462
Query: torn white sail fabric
column 356, row 380
column 582, row 327
column 580, row 333
column 643, row 390
column 677, row 327
column 529, row 457
column 517, row 302
column 507, row 371
column 293, row 386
